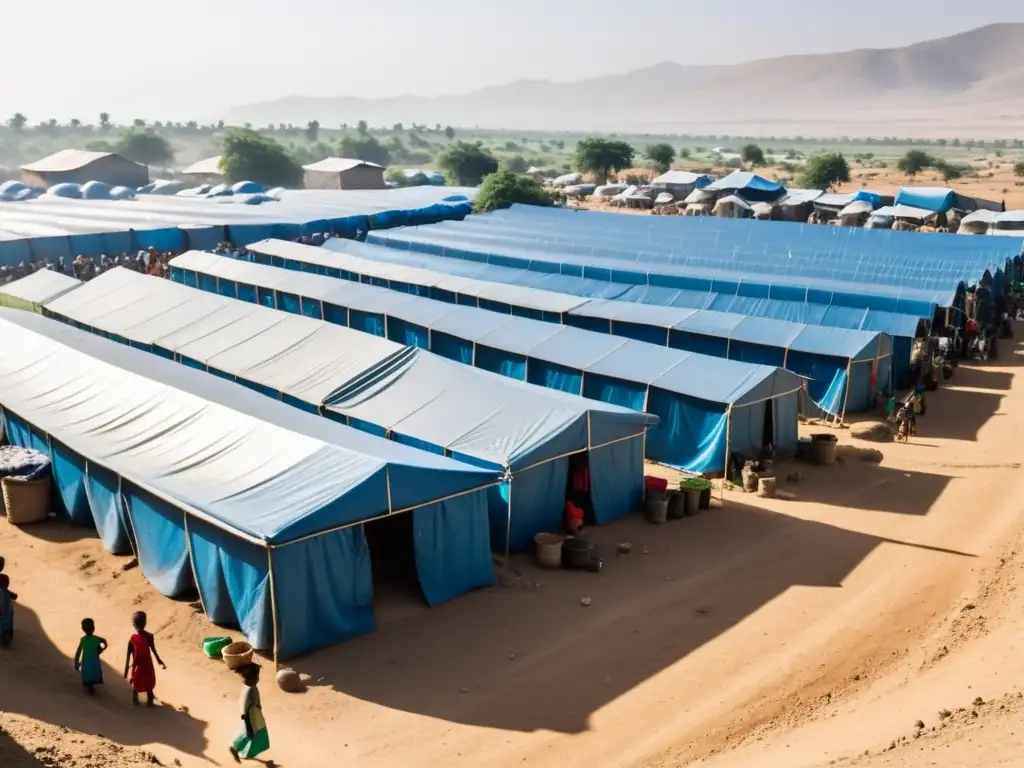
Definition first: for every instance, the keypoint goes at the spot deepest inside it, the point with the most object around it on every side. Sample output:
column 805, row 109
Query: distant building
column 344, row 173
column 204, row 172
column 77, row 166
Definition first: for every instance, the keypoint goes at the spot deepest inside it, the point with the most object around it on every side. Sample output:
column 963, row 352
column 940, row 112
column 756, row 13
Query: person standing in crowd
column 87, row 657
column 139, row 660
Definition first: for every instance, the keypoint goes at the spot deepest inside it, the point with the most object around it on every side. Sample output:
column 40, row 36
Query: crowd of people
column 149, row 261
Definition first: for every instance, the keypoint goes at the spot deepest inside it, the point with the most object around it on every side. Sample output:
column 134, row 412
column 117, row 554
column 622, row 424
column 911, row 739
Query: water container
column 549, row 549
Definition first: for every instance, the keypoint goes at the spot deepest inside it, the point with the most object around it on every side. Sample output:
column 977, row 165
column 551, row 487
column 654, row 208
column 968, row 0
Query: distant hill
column 970, row 84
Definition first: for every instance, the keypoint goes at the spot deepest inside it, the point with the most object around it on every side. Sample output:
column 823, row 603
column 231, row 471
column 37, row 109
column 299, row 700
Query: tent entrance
column 396, row 583
column 768, row 436
column 577, row 488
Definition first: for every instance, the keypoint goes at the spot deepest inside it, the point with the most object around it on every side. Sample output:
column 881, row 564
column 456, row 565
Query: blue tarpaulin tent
column 704, row 403
column 829, row 358
column 402, row 393
column 257, row 505
column 749, row 186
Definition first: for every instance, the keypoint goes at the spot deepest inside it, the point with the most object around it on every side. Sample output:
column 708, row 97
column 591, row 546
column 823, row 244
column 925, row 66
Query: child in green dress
column 254, row 740
column 87, row 657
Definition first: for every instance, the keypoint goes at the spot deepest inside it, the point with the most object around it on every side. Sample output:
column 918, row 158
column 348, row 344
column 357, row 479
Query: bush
column 915, row 161
column 752, row 154
column 601, row 157
column 1018, row 168
column 248, row 156
column 145, row 146
column 504, row 188
column 467, row 163
column 825, row 171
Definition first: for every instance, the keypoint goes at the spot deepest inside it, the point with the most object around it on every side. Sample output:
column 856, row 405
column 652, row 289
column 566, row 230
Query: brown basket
column 237, row 655
column 26, row 501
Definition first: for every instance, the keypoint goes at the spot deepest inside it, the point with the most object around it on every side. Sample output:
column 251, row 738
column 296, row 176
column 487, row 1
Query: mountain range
column 970, row 84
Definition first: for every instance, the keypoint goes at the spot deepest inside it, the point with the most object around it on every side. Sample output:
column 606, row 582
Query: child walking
column 87, row 657
column 254, row 740
column 141, row 651
column 7, row 599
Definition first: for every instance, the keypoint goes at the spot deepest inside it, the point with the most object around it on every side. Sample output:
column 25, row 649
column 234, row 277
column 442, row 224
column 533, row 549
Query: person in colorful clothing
column 139, row 660
column 87, row 657
column 7, row 599
column 255, row 740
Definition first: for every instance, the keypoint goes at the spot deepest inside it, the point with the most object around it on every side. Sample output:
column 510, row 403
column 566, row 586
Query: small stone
column 944, row 713
column 919, row 725
column 511, row 657
column 463, row 690
column 978, row 701
column 646, row 550
column 585, row 601
column 625, row 548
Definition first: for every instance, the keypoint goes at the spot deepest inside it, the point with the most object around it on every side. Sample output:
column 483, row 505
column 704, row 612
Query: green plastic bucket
column 213, row 646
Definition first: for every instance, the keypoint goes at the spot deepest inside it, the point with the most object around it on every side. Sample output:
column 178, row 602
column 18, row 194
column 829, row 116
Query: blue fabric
column 538, row 500
column 69, row 475
column 756, row 353
column 234, row 582
column 108, row 512
column 616, row 479
column 452, row 544
column 289, row 302
column 227, row 288
column 786, row 426
column 688, row 436
column 936, row 199
column 746, row 430
column 323, row 590
column 408, row 334
column 616, row 391
column 552, row 376
column 450, row 347
column 497, row 361
column 699, row 343
column 367, row 322
column 160, row 538
column 826, row 381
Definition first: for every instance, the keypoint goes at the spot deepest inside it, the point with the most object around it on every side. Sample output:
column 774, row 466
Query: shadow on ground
column 12, row 755
column 528, row 656
column 40, row 682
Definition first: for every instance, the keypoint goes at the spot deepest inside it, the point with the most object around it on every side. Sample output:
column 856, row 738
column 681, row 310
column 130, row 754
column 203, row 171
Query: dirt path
column 736, row 630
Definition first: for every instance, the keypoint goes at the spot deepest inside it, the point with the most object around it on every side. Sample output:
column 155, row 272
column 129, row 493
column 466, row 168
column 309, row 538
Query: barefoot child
column 7, row 599
column 255, row 740
column 87, row 657
column 141, row 651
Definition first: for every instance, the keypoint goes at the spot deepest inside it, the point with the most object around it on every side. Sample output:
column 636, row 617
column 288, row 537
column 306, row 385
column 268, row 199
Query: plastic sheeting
column 933, row 199
column 406, row 394
column 696, row 330
column 511, row 345
column 267, row 477
column 32, row 291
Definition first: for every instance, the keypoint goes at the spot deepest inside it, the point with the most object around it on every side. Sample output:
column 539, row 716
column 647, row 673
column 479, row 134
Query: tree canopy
column 601, row 157
column 145, row 146
column 467, row 163
column 825, row 171
column 248, row 156
column 449, row 132
column 948, row 171
column 752, row 154
column 365, row 147
column 504, row 188
column 1018, row 169
column 660, row 156
column 517, row 164
column 312, row 131
column 915, row 161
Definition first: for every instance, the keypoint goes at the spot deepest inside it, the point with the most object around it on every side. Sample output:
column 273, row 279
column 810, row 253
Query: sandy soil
column 781, row 633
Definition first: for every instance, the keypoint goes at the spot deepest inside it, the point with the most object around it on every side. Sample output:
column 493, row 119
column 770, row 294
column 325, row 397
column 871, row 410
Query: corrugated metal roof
column 65, row 160
column 339, row 164
column 209, row 166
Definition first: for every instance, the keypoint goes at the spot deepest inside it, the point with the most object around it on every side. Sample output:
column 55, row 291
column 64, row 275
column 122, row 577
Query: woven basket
column 26, row 501
column 237, row 655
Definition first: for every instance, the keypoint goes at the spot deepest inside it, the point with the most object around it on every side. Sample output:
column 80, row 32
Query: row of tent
column 50, row 228
column 838, row 365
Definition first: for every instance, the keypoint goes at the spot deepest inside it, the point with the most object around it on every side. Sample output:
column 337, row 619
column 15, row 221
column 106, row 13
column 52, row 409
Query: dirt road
column 780, row 633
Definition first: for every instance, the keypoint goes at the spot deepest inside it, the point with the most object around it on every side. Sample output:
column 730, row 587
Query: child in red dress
column 141, row 652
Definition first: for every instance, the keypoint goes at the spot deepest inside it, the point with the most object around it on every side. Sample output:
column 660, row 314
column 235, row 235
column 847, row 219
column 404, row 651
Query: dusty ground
column 783, row 633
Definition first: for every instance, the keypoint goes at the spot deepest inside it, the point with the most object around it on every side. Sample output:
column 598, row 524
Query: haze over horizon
column 153, row 63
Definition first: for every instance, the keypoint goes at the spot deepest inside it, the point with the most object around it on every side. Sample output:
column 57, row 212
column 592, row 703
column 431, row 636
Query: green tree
column 365, row 147
column 948, row 171
column 467, row 163
column 312, row 131
column 138, row 122
column 601, row 157
column 362, row 127
column 684, row 153
column 915, row 161
column 248, row 156
column 660, row 156
column 504, row 188
column 517, row 164
column 18, row 122
column 398, row 128
column 75, row 123
column 753, row 155
column 105, row 121
column 1018, row 168
column 145, row 146
column 449, row 132
column 192, row 125
column 825, row 171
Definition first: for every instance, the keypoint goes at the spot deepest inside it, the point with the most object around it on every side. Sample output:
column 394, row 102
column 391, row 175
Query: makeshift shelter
column 797, row 205
column 733, row 207
column 856, row 213
column 386, row 389
column 214, row 488
column 78, row 166
column 978, row 223
column 343, row 173
column 752, row 188
column 33, row 291
column 818, row 355
column 704, row 404
column 680, row 184
column 1010, row 223
column 762, row 211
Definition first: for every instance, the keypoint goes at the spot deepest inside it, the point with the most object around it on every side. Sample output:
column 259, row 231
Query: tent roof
column 66, row 160
column 264, row 470
column 560, row 345
column 682, row 177
column 744, row 180
column 339, row 164
column 208, row 167
column 467, row 410
column 800, row 196
column 933, row 199
column 41, row 286
column 903, row 212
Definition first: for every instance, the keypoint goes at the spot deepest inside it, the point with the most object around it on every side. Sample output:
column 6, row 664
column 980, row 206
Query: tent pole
column 192, row 564
column 273, row 600
column 508, row 529
column 846, row 396
column 728, row 441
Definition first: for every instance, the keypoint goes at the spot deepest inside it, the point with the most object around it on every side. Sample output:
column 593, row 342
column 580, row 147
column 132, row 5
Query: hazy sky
column 175, row 59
